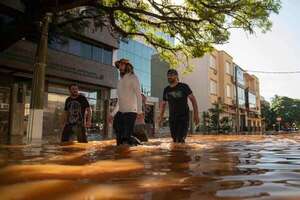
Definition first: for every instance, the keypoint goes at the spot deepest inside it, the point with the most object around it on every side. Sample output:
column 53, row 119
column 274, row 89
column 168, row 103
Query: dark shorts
column 124, row 127
column 70, row 131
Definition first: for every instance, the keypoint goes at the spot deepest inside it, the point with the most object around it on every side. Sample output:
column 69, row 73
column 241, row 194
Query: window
column 97, row 54
column 252, row 100
column 213, row 87
column 241, row 96
column 228, row 91
column 228, row 68
column 240, row 76
column 86, row 50
column 74, row 47
column 212, row 62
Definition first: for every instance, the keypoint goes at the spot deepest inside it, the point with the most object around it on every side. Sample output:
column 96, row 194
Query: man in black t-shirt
column 176, row 94
column 77, row 116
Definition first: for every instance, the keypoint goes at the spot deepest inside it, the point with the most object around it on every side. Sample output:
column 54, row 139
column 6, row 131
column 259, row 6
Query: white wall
column 198, row 80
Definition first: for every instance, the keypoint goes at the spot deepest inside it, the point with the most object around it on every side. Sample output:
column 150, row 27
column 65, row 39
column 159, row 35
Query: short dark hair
column 172, row 72
column 71, row 85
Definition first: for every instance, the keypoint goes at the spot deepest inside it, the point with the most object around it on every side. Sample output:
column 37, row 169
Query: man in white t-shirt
column 129, row 106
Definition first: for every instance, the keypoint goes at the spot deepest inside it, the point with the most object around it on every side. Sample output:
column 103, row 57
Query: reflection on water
column 206, row 167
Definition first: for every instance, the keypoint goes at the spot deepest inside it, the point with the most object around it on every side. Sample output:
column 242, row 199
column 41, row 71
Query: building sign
column 80, row 72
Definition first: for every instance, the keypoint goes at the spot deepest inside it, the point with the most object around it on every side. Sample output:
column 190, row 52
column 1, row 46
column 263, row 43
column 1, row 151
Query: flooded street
column 206, row 167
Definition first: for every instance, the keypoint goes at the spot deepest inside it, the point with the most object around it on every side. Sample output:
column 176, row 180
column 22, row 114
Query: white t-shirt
column 129, row 95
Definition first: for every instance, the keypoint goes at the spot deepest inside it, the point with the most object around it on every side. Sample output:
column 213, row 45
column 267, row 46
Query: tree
column 286, row 108
column 268, row 115
column 205, row 123
column 196, row 25
column 212, row 120
column 215, row 116
column 226, row 124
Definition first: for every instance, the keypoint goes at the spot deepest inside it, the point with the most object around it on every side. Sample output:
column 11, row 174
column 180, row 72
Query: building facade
column 253, row 106
column 84, row 59
column 217, row 79
column 139, row 55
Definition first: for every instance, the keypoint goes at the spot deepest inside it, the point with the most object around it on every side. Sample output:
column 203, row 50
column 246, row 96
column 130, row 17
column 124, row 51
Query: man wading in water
column 129, row 104
column 176, row 94
column 77, row 116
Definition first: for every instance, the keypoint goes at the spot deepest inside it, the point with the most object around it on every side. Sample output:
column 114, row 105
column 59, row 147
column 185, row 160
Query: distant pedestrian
column 77, row 116
column 129, row 105
column 176, row 94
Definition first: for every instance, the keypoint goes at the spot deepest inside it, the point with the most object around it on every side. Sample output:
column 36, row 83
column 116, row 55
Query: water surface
column 206, row 167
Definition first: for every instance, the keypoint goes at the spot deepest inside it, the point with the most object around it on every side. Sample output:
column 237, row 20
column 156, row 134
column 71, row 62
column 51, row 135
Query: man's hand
column 88, row 124
column 196, row 119
column 110, row 119
column 140, row 116
column 160, row 120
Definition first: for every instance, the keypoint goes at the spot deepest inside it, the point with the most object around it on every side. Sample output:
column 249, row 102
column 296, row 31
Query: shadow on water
column 206, row 167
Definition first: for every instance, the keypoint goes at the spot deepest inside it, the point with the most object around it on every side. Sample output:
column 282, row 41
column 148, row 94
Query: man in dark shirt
column 77, row 116
column 176, row 94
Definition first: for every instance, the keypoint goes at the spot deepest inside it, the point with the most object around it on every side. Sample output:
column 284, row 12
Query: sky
column 276, row 50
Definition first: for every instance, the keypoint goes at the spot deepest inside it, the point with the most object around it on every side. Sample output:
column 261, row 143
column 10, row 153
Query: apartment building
column 217, row 79
column 212, row 81
column 254, row 121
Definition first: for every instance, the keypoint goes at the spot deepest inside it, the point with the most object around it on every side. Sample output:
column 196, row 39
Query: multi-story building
column 212, row 81
column 252, row 94
column 240, row 85
column 139, row 55
column 85, row 59
column 216, row 79
column 158, row 76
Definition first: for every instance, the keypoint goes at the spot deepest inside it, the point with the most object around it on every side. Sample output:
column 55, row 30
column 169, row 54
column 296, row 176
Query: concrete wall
column 198, row 80
column 159, row 80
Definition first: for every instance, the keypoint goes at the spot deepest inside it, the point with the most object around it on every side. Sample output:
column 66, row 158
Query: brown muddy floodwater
column 206, row 168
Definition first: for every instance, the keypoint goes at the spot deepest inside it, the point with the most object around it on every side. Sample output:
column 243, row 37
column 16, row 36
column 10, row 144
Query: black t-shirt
column 177, row 99
column 76, row 109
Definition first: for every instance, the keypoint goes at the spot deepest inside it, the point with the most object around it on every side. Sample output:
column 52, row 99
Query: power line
column 274, row 72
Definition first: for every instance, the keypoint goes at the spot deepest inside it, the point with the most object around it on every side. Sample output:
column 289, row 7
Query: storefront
column 94, row 79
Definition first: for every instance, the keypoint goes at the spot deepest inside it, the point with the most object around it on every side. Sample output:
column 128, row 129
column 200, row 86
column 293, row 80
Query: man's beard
column 74, row 94
column 171, row 81
column 122, row 73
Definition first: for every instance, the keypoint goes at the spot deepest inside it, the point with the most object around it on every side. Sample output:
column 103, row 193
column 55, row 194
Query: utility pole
column 35, row 124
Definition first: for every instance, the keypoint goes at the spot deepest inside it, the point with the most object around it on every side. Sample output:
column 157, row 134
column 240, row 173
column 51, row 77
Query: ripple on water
column 206, row 167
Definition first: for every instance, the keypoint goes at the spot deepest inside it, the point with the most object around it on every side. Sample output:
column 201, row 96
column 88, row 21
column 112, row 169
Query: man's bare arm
column 195, row 108
column 162, row 111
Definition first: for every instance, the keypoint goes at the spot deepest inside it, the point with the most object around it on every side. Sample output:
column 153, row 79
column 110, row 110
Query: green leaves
column 286, row 108
column 196, row 24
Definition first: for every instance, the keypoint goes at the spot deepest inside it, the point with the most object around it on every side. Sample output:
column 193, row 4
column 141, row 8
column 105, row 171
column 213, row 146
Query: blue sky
column 276, row 50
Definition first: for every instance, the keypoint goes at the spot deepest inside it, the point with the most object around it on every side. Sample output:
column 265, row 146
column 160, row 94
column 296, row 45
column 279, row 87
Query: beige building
column 213, row 80
column 254, row 121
